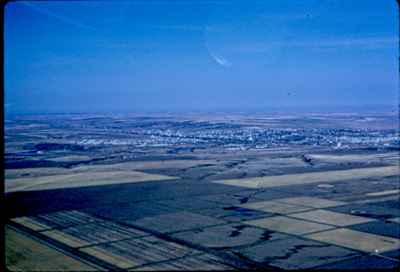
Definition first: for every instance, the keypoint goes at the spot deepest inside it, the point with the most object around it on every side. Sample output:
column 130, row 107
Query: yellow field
column 313, row 177
column 136, row 165
column 70, row 158
column 80, row 179
column 25, row 254
column 386, row 157
column 384, row 193
column 358, row 240
column 90, row 175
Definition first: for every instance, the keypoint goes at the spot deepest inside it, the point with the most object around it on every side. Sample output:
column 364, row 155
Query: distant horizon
column 362, row 109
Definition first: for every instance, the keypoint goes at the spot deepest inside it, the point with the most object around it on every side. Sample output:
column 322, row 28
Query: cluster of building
column 242, row 137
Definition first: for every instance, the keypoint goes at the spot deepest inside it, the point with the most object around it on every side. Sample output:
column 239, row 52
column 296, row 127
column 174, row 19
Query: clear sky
column 199, row 55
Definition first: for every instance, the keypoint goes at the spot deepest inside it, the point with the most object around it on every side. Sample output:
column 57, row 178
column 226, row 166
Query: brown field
column 143, row 165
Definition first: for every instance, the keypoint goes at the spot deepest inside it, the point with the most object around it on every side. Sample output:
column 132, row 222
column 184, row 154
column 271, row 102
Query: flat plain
column 204, row 191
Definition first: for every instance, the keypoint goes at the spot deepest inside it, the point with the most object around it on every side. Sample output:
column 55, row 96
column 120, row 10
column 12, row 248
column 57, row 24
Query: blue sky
column 114, row 56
